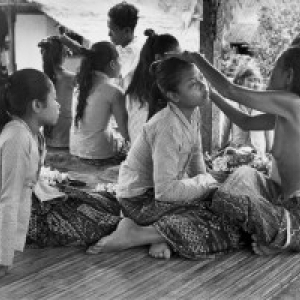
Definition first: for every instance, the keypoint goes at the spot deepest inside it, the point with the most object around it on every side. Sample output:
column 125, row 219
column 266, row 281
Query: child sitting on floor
column 27, row 103
column 53, row 55
column 163, row 186
column 92, row 136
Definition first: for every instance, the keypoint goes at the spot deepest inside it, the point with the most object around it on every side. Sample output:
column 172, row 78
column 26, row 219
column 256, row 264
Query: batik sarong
column 254, row 202
column 191, row 229
column 80, row 219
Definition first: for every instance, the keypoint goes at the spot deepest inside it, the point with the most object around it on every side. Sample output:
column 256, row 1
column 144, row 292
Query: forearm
column 75, row 47
column 186, row 189
column 218, row 80
column 122, row 121
column 234, row 114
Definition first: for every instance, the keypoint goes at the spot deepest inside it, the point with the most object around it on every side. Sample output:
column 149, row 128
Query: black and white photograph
column 149, row 149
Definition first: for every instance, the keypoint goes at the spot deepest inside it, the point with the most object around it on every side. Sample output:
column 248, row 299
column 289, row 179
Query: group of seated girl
column 164, row 189
column 85, row 125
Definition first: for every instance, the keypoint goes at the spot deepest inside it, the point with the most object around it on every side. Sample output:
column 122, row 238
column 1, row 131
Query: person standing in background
column 122, row 21
column 3, row 47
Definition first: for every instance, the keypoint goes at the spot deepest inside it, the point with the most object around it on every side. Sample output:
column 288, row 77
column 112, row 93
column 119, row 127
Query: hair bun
column 153, row 67
column 149, row 32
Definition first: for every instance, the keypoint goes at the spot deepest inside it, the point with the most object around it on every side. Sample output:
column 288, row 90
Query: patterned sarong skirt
column 254, row 202
column 80, row 220
column 191, row 229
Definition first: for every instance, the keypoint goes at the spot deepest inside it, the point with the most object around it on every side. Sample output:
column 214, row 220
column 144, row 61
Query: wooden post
column 207, row 37
column 11, row 14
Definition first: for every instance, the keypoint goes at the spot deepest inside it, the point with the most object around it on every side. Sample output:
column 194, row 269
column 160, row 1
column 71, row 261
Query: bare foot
column 160, row 250
column 122, row 238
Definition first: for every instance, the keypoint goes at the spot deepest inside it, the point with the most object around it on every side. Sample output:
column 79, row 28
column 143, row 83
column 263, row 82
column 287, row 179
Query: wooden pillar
column 11, row 15
column 207, row 38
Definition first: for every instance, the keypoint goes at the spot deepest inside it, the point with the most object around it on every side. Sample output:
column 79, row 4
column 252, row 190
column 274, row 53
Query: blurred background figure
column 54, row 53
column 3, row 47
column 247, row 75
column 97, row 100
column 122, row 21
column 139, row 102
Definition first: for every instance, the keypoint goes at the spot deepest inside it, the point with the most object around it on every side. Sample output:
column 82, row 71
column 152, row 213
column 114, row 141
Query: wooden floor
column 70, row 274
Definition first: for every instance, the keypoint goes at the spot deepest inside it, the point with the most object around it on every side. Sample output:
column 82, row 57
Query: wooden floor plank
column 68, row 273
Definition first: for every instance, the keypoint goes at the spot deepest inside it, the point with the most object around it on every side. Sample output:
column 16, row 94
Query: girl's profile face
column 50, row 113
column 193, row 88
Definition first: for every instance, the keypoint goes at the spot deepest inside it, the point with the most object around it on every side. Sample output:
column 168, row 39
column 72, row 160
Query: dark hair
column 245, row 71
column 95, row 59
column 168, row 75
column 142, row 81
column 124, row 15
column 296, row 41
column 3, row 29
column 53, row 52
column 21, row 88
column 291, row 60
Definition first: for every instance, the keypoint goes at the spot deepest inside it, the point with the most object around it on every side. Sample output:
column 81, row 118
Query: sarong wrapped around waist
column 190, row 228
column 255, row 203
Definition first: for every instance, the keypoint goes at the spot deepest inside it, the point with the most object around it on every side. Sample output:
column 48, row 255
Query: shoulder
column 162, row 125
column 112, row 90
column 16, row 136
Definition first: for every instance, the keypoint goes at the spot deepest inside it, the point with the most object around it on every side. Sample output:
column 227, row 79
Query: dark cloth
column 80, row 219
column 191, row 229
column 253, row 202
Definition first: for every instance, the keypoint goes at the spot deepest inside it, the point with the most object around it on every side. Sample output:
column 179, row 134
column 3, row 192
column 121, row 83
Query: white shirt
column 19, row 169
column 166, row 156
column 129, row 58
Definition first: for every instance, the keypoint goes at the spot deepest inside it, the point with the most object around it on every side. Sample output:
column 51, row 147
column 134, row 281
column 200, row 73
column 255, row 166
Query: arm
column 166, row 155
column 270, row 102
column 73, row 45
column 225, row 132
column 15, row 163
column 120, row 114
column 241, row 119
column 269, row 140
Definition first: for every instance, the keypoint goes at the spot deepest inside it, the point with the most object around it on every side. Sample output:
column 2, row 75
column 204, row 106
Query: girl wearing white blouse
column 27, row 102
column 163, row 187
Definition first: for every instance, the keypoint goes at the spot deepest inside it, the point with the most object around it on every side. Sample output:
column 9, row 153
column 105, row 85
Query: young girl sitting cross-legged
column 92, row 137
column 163, row 186
column 27, row 102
